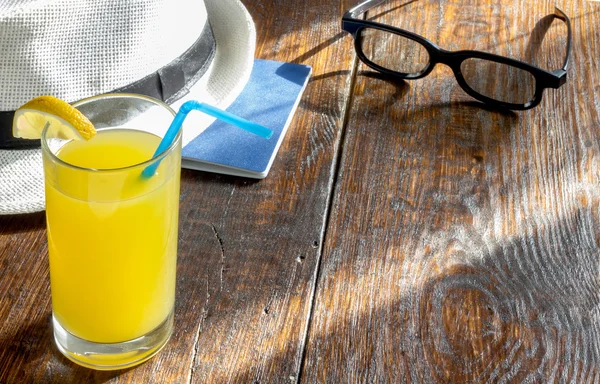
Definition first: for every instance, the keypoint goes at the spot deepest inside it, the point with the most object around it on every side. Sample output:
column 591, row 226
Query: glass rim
column 160, row 157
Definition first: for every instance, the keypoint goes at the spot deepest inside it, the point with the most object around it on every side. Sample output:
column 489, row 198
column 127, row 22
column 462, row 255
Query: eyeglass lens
column 393, row 52
column 495, row 80
column 498, row 81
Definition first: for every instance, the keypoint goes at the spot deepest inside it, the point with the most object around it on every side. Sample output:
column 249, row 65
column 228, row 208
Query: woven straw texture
column 21, row 172
column 22, row 186
column 76, row 49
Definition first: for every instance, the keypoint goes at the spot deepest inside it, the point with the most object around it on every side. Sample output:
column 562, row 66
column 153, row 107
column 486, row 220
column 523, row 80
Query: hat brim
column 21, row 171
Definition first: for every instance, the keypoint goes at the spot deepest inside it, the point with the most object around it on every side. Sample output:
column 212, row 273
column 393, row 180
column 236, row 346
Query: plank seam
column 335, row 171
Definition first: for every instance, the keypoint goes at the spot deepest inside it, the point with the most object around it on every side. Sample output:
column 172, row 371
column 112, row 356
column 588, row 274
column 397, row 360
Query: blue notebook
column 270, row 98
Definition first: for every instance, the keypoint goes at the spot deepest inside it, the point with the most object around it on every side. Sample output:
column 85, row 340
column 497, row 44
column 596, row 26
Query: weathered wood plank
column 257, row 290
column 463, row 244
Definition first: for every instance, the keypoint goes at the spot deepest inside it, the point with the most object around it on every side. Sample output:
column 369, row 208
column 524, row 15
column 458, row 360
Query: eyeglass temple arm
column 563, row 71
column 364, row 7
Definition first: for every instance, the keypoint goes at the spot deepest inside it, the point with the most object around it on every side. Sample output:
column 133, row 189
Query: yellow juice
column 112, row 236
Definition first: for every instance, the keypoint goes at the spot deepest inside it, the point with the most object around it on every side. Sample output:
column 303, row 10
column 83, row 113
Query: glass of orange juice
column 112, row 234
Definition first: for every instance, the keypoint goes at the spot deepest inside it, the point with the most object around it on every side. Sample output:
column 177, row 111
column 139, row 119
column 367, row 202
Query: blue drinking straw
column 188, row 106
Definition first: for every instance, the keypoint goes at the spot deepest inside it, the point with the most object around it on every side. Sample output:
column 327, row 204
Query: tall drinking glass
column 112, row 234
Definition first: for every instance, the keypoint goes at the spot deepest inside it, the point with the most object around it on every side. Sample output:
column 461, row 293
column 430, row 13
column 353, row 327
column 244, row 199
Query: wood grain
column 257, row 291
column 463, row 242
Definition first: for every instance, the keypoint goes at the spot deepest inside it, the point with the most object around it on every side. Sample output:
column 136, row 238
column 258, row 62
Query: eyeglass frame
column 543, row 78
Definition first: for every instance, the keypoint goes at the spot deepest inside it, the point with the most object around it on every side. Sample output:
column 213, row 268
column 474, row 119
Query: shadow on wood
column 22, row 223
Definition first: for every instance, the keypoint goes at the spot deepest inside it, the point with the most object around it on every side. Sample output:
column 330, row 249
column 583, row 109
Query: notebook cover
column 270, row 98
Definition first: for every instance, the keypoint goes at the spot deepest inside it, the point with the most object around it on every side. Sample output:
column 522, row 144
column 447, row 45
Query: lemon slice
column 65, row 121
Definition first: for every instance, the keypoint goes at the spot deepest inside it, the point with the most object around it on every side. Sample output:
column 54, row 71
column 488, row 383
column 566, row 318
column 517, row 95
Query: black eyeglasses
column 495, row 80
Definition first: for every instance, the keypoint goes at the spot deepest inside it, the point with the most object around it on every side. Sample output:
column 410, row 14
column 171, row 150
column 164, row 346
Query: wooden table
column 404, row 234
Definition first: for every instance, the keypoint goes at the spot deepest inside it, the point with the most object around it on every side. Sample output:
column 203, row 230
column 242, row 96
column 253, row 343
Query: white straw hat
column 73, row 50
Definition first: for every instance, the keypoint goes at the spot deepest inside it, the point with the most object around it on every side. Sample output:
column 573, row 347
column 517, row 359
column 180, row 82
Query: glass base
column 112, row 356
